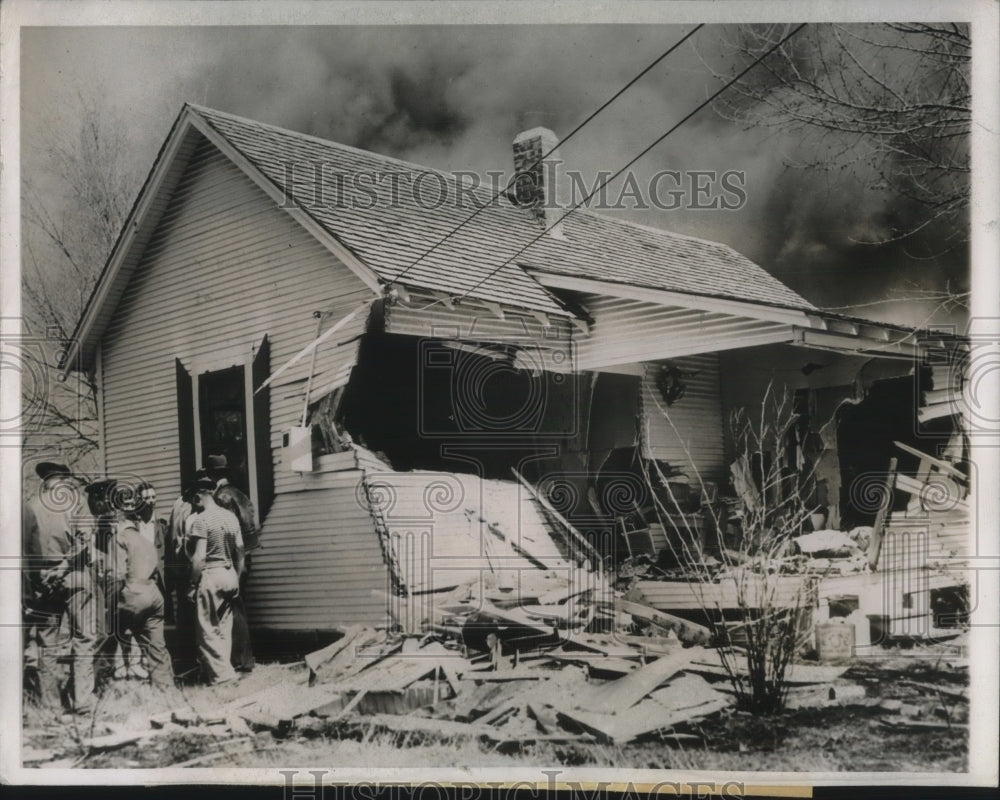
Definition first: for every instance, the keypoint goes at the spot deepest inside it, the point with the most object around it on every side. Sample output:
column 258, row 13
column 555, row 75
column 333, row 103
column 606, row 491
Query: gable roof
column 397, row 229
column 363, row 207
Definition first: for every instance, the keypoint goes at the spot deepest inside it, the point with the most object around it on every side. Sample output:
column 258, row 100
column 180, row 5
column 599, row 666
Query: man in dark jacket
column 56, row 545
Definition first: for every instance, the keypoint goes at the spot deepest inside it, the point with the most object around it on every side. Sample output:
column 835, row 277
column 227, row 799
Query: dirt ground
column 845, row 734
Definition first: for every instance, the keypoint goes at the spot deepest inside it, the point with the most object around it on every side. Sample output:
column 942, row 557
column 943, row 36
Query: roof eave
column 79, row 354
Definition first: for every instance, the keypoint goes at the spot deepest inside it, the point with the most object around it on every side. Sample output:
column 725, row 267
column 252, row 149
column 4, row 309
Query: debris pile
column 506, row 676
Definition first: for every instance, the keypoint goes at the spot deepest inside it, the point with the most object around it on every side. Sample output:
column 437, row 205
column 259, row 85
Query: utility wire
column 542, row 158
column 598, row 187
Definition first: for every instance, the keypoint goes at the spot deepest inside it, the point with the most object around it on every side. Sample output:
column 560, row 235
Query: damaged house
column 415, row 404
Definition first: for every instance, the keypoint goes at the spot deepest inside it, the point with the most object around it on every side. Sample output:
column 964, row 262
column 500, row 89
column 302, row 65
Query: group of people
column 105, row 576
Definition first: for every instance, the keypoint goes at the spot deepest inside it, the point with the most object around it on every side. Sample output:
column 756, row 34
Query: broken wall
column 830, row 380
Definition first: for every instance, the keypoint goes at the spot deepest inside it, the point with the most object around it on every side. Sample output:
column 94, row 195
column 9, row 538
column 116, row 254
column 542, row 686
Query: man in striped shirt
column 216, row 547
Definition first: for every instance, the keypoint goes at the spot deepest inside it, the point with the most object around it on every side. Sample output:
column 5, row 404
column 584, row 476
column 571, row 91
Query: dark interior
column 425, row 404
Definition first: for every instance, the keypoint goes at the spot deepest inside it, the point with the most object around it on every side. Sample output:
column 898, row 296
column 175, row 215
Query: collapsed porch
column 499, row 395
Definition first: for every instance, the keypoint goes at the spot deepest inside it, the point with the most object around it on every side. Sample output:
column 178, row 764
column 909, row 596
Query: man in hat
column 56, row 547
column 139, row 600
column 235, row 500
column 216, row 546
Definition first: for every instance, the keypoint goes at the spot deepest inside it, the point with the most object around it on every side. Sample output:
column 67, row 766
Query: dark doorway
column 865, row 436
column 223, row 421
column 456, row 406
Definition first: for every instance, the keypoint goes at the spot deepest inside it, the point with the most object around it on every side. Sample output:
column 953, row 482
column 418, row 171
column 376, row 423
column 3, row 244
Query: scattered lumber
column 961, row 694
column 685, row 700
column 795, row 675
column 620, row 695
column 688, row 632
column 441, row 727
column 318, row 658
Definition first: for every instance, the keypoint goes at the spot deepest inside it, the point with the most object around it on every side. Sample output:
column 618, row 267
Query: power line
column 542, row 158
column 600, row 185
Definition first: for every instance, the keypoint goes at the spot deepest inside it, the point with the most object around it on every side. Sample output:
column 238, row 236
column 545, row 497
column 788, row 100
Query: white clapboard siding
column 320, row 561
column 689, row 433
column 224, row 267
column 629, row 331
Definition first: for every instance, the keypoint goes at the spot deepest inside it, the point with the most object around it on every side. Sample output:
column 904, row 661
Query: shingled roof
column 381, row 230
column 389, row 230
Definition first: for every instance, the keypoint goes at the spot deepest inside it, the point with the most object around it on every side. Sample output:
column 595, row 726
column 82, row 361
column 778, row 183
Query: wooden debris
column 689, row 699
column 822, row 695
column 620, row 695
column 960, row 694
column 113, row 741
column 688, row 632
column 441, row 727
column 318, row 658
column 795, row 674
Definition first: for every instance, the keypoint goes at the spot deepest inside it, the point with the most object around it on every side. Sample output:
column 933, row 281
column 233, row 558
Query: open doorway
column 223, row 421
column 866, row 435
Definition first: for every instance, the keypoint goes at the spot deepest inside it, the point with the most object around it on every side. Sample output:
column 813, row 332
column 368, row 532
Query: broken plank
column 303, row 701
column 443, row 727
column 604, row 645
column 645, row 718
column 113, row 741
column 597, row 664
column 319, row 657
column 961, row 694
column 30, row 755
column 688, row 632
column 544, row 716
column 620, row 695
column 650, row 645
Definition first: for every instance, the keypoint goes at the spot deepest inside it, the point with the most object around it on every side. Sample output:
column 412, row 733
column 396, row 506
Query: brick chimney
column 537, row 183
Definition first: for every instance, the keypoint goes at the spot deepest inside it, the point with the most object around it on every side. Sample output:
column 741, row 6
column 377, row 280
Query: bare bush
column 774, row 509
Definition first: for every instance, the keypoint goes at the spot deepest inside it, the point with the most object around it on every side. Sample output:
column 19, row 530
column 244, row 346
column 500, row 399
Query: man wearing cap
column 139, row 606
column 216, row 546
column 235, row 500
column 56, row 546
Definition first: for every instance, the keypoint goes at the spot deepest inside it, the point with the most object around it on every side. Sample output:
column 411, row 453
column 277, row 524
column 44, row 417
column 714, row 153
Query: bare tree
column 893, row 97
column 73, row 207
column 757, row 648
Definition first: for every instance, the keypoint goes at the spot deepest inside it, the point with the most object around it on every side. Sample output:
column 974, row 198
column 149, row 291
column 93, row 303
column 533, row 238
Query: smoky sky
column 453, row 97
